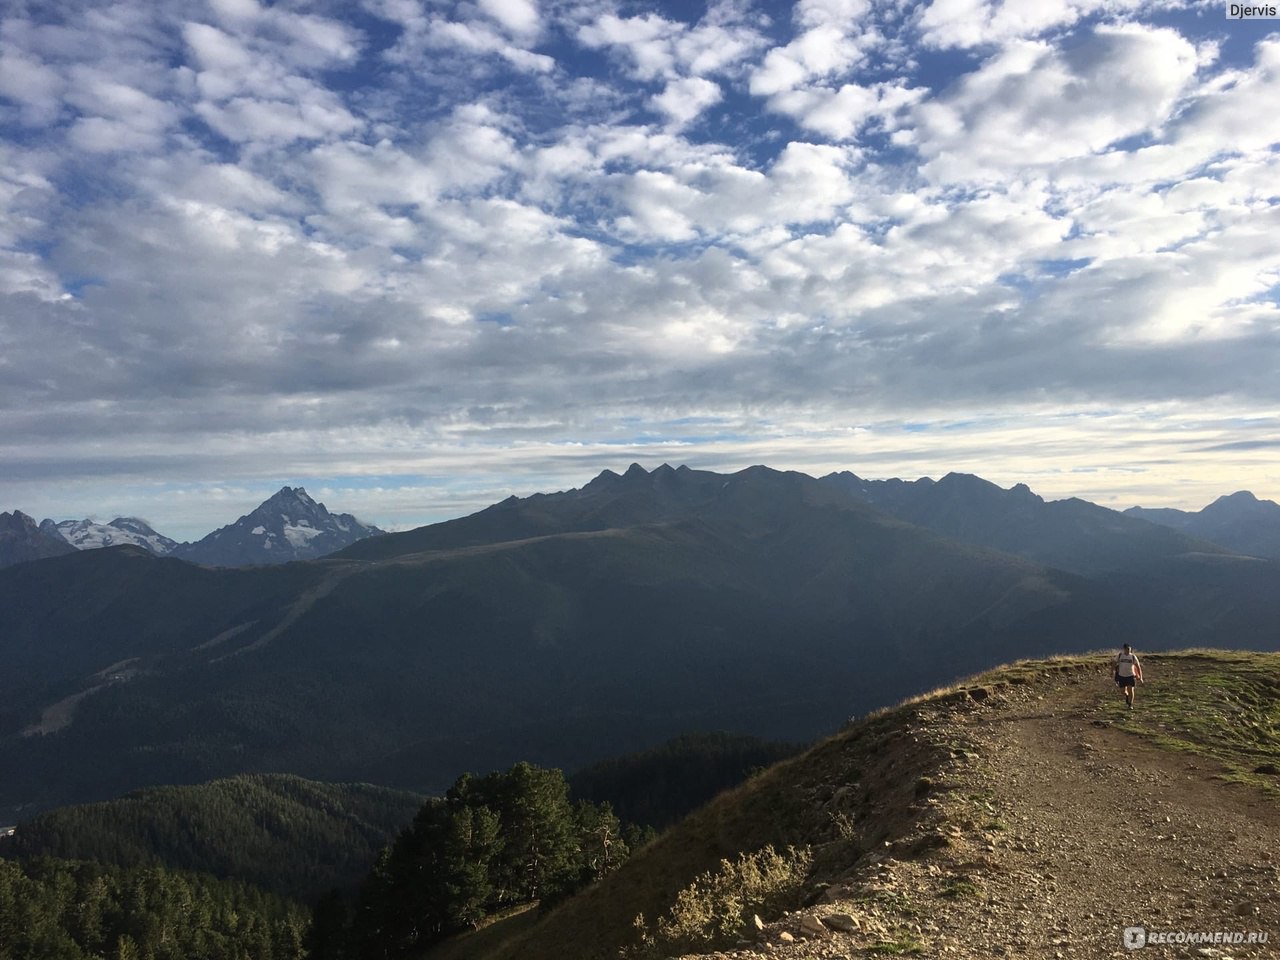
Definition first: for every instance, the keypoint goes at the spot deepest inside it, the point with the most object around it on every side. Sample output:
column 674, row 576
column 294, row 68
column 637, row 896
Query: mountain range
column 1241, row 522
column 1070, row 534
column 287, row 526
column 565, row 628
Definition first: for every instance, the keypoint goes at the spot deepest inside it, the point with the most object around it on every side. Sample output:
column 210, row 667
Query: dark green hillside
column 596, row 622
column 291, row 836
column 657, row 787
column 87, row 619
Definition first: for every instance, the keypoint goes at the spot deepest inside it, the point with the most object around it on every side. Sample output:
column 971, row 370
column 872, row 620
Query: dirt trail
column 1056, row 832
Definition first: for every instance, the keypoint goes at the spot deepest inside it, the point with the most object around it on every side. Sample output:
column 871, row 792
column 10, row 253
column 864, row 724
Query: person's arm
column 1137, row 669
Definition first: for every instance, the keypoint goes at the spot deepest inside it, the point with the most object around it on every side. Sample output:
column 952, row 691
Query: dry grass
column 492, row 934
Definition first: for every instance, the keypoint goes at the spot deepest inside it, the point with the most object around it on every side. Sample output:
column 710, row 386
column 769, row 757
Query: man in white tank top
column 1127, row 670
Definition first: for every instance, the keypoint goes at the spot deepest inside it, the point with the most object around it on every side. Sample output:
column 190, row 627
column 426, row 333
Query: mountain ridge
column 1071, row 534
column 1240, row 521
column 558, row 628
column 289, row 525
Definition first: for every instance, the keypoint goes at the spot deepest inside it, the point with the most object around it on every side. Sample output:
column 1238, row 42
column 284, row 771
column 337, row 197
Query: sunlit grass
column 1228, row 712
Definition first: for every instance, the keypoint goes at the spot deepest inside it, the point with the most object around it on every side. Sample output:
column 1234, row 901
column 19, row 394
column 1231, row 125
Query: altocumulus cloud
column 470, row 248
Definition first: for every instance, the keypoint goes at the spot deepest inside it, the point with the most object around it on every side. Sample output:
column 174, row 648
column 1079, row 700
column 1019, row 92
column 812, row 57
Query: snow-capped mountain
column 288, row 526
column 22, row 540
column 89, row 535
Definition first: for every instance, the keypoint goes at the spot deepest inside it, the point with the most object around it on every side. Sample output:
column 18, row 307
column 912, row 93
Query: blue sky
column 417, row 256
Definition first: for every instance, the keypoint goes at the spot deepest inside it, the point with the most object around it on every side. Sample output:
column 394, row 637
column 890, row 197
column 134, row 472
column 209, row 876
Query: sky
column 417, row 256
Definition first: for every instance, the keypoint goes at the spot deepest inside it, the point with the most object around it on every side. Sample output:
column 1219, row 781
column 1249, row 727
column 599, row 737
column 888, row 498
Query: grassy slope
column 1222, row 705
column 1227, row 710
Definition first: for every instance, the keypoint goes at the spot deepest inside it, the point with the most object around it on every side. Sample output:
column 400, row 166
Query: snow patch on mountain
column 88, row 534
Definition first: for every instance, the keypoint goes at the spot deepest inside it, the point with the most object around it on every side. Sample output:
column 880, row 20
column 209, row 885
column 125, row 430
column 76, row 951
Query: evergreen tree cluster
column 490, row 843
column 64, row 910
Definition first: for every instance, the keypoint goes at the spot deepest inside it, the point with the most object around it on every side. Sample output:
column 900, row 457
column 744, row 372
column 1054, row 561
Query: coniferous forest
column 266, row 866
column 73, row 910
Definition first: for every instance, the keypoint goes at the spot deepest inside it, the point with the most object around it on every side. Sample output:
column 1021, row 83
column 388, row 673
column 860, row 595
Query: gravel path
column 1049, row 833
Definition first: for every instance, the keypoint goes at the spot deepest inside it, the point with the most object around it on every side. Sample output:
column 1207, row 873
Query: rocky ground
column 1049, row 832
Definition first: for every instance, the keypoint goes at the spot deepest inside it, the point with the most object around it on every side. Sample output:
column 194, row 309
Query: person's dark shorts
column 1126, row 681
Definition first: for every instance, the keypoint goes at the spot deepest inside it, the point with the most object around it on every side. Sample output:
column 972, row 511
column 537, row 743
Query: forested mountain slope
column 559, row 629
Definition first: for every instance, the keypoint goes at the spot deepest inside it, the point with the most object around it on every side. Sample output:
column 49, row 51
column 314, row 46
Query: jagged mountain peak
column 22, row 539
column 288, row 525
column 291, row 495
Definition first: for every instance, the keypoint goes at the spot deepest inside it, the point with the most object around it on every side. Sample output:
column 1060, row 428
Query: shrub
column 717, row 907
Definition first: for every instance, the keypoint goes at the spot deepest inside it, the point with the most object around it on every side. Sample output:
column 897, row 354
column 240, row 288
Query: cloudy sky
column 419, row 255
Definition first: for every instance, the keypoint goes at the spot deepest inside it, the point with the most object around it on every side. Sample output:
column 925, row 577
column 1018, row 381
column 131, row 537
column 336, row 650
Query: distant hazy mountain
column 559, row 629
column 1240, row 522
column 287, row 526
column 89, row 535
column 1072, row 534
column 21, row 539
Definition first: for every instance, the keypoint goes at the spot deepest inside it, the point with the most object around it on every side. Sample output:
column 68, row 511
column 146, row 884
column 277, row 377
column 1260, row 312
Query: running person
column 1127, row 669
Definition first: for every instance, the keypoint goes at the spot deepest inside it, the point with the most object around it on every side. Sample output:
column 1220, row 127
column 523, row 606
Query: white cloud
column 971, row 23
column 518, row 16
column 685, row 99
column 1224, row 117
column 657, row 48
column 454, row 252
column 250, row 120
column 841, row 113
column 822, row 51
column 509, row 31
column 1033, row 104
column 32, row 84
column 807, row 183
